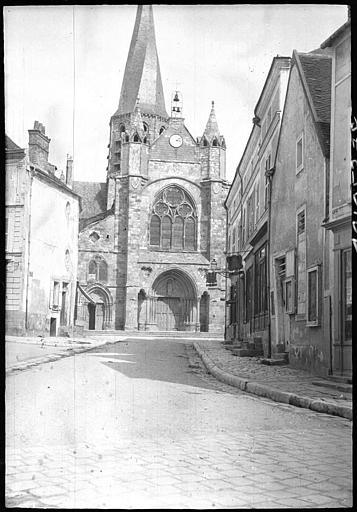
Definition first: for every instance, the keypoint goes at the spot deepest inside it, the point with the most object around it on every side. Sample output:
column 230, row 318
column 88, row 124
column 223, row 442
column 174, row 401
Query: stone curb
column 55, row 357
column 275, row 394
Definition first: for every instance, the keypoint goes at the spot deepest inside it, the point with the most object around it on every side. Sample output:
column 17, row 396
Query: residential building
column 148, row 234
column 299, row 203
column 248, row 211
column 42, row 214
column 338, row 210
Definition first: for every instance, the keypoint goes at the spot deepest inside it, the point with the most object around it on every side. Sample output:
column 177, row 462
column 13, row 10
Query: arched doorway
column 94, row 308
column 96, row 313
column 172, row 303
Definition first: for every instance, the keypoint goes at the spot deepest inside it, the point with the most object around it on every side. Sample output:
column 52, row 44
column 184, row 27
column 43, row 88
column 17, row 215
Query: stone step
column 245, row 352
column 273, row 362
column 347, row 379
column 280, row 355
column 338, row 386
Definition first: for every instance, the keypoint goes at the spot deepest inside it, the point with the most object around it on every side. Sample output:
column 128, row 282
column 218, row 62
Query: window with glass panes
column 173, row 221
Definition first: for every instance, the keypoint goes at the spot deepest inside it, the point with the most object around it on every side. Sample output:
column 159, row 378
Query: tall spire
column 211, row 130
column 142, row 77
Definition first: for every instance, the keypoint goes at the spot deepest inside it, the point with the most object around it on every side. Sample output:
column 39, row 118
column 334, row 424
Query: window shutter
column 177, row 236
column 166, row 232
column 190, row 234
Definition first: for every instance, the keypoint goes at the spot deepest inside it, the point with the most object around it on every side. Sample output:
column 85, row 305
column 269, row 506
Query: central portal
column 172, row 304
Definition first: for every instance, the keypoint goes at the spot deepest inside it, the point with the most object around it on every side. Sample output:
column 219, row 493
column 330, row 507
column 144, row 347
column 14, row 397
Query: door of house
column 99, row 317
column 53, row 322
column 91, row 312
column 168, row 313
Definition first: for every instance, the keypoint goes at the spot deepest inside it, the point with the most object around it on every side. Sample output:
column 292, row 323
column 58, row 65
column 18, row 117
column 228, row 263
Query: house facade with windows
column 299, row 281
column 338, row 215
column 149, row 233
column 42, row 214
column 247, row 205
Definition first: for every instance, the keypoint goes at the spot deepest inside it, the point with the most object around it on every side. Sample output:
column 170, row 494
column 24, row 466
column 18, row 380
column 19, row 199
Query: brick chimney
column 69, row 171
column 38, row 145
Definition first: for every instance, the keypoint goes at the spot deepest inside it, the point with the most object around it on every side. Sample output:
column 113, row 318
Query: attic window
column 215, row 142
column 94, row 236
column 136, row 138
column 205, row 143
column 145, row 127
column 301, row 222
column 122, row 128
column 299, row 154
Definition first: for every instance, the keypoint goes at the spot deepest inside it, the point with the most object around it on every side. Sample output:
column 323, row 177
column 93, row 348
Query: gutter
column 28, row 249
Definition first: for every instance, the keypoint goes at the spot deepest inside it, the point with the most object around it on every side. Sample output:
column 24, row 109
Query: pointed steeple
column 142, row 77
column 211, row 130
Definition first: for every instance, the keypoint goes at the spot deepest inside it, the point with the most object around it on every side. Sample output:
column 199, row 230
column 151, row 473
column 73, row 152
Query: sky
column 64, row 66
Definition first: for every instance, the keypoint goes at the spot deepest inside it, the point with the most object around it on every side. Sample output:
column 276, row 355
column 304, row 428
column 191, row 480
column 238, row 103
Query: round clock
column 176, row 140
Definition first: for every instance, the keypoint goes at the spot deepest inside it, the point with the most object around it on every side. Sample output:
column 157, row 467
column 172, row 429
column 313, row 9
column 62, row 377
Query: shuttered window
column 155, row 230
column 166, row 232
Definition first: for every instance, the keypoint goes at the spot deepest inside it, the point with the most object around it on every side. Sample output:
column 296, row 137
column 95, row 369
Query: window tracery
column 173, row 221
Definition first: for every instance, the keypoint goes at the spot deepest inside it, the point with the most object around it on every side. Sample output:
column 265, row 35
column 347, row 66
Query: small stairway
column 247, row 348
column 341, row 383
column 277, row 359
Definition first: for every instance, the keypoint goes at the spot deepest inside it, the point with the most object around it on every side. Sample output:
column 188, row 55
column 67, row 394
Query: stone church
column 149, row 234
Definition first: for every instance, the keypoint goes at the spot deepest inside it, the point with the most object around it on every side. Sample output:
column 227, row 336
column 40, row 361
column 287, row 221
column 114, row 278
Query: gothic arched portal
column 172, row 304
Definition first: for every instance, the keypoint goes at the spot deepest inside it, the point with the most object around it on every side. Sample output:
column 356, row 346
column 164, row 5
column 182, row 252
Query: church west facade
column 149, row 233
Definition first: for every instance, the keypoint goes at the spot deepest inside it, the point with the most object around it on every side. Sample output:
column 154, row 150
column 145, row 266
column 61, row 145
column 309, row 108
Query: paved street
column 141, row 424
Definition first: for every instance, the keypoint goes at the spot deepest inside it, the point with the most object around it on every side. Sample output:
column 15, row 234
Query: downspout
column 240, row 238
column 225, row 302
column 269, row 176
column 28, row 251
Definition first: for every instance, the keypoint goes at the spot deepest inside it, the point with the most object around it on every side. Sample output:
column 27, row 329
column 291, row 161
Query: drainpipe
column 330, row 332
column 240, row 238
column 270, row 176
column 28, row 250
column 225, row 301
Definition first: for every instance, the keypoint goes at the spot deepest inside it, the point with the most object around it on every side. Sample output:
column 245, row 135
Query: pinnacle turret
column 142, row 77
column 211, row 131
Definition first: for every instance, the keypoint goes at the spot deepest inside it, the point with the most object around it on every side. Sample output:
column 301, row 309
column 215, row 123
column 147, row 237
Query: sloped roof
column 211, row 129
column 10, row 144
column 315, row 70
column 94, row 197
column 142, row 76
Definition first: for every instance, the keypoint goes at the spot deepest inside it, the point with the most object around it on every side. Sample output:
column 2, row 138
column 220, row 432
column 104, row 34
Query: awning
column 86, row 295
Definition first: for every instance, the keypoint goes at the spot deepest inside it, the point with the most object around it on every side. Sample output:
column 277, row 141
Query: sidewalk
column 21, row 353
column 279, row 383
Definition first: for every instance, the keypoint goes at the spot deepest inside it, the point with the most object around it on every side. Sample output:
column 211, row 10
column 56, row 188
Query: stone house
column 299, row 204
column 338, row 295
column 42, row 214
column 247, row 205
column 148, row 234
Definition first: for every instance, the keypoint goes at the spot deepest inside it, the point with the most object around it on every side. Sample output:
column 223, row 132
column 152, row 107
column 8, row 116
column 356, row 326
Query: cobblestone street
column 141, row 424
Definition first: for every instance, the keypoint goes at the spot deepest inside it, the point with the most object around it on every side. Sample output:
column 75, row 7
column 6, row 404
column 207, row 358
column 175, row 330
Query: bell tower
column 141, row 114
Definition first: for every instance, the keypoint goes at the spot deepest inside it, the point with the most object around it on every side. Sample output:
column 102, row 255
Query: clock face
column 175, row 140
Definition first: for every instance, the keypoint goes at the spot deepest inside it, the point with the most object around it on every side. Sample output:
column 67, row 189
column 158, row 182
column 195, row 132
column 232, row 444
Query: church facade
column 149, row 233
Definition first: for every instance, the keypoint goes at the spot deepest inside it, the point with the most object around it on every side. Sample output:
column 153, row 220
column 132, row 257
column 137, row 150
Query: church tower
column 165, row 193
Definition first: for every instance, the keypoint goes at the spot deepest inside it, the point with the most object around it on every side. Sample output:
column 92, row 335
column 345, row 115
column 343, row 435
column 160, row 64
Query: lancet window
column 173, row 221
